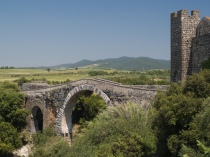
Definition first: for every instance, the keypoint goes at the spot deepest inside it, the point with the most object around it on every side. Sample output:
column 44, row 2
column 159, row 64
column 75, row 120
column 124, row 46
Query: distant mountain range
column 122, row 63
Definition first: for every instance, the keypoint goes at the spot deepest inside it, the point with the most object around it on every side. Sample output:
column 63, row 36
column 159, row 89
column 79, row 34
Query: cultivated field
column 62, row 75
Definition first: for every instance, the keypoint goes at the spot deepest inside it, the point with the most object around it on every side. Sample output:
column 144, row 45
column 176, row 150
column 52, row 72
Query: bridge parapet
column 117, row 92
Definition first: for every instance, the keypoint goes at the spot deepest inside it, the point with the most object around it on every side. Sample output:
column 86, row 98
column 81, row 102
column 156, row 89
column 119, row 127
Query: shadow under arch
column 64, row 119
column 36, row 119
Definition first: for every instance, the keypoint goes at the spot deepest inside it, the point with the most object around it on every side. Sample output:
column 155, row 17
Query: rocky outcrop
column 25, row 151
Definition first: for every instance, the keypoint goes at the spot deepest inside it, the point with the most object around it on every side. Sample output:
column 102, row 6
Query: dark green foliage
column 197, row 86
column 9, row 85
column 87, row 108
column 201, row 150
column 9, row 139
column 7, row 67
column 202, row 123
column 206, row 64
column 201, row 127
column 188, row 152
column 12, row 117
column 11, row 105
column 40, row 139
column 206, row 75
column 97, row 73
column 205, row 150
column 48, row 144
column 123, row 130
column 175, row 112
column 21, row 80
column 130, row 145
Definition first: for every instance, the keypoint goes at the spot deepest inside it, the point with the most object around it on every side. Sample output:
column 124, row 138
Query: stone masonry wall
column 203, row 27
column 190, row 44
column 34, row 86
column 175, row 47
column 183, row 29
column 200, row 51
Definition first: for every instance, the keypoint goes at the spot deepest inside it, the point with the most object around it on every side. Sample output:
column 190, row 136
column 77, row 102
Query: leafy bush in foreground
column 123, row 130
column 48, row 144
column 175, row 112
column 12, row 117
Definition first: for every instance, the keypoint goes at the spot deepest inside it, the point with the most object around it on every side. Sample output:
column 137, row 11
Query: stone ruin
column 190, row 43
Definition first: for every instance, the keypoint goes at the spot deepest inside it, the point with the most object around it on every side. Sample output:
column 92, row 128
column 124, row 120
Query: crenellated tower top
column 184, row 13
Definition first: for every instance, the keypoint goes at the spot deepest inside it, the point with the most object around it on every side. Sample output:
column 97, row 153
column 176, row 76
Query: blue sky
column 52, row 32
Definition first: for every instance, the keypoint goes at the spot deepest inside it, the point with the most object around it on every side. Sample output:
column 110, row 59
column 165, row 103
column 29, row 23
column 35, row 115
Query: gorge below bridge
column 53, row 105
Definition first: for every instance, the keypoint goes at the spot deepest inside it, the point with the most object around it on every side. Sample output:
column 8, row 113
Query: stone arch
column 63, row 116
column 36, row 119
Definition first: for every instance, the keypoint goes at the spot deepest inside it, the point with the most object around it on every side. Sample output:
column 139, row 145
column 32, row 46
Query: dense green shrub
column 175, row 112
column 39, row 139
column 9, row 139
column 48, row 144
column 21, row 80
column 12, row 117
column 201, row 127
column 197, row 86
column 123, row 130
column 97, row 73
column 206, row 64
column 11, row 105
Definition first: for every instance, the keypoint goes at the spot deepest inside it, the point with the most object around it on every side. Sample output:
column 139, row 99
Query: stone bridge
column 53, row 105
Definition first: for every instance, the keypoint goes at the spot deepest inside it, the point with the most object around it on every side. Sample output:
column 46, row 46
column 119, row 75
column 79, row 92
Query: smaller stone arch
column 72, row 93
column 36, row 121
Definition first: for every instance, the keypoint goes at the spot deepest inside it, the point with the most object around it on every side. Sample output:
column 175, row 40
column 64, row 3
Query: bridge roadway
column 54, row 104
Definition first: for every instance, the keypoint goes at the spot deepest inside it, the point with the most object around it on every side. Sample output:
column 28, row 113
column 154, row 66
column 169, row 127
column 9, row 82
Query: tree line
column 7, row 67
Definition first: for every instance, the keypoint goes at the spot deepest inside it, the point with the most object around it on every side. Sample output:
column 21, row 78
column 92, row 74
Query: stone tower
column 183, row 29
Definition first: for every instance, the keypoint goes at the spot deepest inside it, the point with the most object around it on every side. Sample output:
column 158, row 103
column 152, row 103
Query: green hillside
column 122, row 63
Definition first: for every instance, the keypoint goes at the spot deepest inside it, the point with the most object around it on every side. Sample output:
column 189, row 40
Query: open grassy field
column 61, row 75
column 52, row 75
